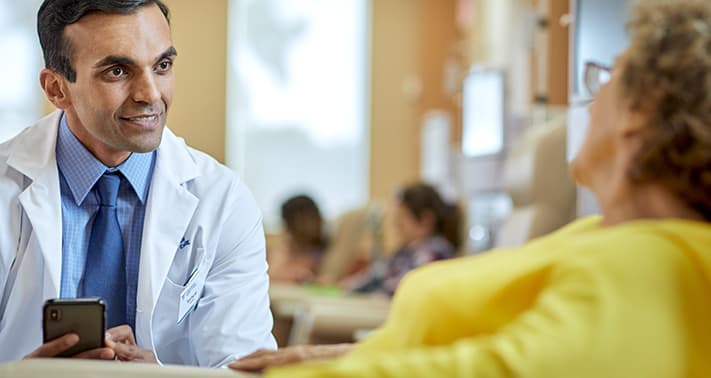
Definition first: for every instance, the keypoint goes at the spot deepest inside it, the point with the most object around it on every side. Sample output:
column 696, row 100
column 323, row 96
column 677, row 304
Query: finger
column 97, row 354
column 259, row 352
column 263, row 362
column 247, row 365
column 126, row 352
column 121, row 334
column 55, row 347
column 256, row 361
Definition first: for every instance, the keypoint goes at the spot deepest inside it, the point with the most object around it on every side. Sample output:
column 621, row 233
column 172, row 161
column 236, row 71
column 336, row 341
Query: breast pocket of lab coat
column 177, row 301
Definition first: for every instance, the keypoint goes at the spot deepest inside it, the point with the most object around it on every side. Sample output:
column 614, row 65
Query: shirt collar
column 82, row 170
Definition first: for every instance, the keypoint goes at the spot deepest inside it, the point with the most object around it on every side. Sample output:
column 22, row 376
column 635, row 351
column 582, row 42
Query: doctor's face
column 124, row 82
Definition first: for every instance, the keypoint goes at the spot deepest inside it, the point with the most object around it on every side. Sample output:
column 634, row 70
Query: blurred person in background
column 428, row 230
column 618, row 295
column 298, row 255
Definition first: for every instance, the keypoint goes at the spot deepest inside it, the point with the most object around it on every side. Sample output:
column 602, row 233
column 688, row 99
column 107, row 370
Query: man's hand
column 60, row 344
column 264, row 358
column 121, row 341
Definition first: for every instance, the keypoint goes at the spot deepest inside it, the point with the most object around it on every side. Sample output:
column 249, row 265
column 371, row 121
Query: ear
column 634, row 124
column 55, row 88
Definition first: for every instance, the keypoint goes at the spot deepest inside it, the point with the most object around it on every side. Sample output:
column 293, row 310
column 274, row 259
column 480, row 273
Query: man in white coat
column 100, row 199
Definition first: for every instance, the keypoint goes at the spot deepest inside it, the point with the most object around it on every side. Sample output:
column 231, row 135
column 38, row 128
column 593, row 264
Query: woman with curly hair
column 625, row 294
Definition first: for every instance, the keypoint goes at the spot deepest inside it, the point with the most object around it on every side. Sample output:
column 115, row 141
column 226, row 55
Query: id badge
column 188, row 299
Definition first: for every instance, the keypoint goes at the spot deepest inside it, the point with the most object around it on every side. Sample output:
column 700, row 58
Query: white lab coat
column 200, row 221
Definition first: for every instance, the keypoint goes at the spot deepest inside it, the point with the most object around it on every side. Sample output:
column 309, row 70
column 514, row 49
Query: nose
column 145, row 89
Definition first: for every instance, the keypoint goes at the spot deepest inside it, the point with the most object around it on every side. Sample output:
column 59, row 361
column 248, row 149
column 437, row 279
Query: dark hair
column 303, row 220
column 54, row 16
column 421, row 198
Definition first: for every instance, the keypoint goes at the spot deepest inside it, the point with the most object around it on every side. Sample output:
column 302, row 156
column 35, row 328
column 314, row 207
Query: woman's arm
column 265, row 358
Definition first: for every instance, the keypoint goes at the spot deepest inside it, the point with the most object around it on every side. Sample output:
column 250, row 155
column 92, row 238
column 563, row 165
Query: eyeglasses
column 595, row 76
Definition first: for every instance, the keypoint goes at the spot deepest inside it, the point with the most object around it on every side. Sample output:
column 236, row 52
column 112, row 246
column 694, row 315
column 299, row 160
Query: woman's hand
column 264, row 358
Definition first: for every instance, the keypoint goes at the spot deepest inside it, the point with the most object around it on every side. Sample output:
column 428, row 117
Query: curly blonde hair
column 667, row 75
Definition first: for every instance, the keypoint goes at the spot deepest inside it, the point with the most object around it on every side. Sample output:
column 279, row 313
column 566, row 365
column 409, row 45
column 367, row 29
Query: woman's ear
column 55, row 88
column 635, row 128
column 636, row 116
column 635, row 122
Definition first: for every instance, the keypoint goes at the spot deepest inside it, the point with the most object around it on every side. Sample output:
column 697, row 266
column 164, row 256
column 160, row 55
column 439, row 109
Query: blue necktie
column 105, row 269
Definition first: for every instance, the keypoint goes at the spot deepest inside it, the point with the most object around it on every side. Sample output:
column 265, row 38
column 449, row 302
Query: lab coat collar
column 33, row 155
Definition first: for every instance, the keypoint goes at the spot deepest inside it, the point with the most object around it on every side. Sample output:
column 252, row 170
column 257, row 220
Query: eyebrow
column 126, row 61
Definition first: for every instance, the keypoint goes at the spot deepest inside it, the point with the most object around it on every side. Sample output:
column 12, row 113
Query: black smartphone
column 83, row 316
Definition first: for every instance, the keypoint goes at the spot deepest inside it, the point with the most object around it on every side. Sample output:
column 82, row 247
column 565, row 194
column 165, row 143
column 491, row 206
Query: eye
column 116, row 72
column 164, row 66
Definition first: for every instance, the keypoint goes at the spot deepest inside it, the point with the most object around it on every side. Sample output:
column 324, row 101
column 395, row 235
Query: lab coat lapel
column 34, row 156
column 169, row 209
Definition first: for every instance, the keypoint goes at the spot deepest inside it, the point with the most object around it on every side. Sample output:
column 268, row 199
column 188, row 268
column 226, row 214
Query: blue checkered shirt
column 79, row 170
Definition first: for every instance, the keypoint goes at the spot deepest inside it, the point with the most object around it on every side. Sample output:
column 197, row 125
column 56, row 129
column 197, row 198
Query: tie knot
column 108, row 186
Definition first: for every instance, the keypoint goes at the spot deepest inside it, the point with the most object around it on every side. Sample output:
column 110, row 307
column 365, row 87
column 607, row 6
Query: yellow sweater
column 632, row 300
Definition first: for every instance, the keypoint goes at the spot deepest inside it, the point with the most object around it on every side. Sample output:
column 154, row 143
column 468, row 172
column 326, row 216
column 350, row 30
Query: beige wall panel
column 557, row 82
column 394, row 124
column 438, row 38
column 198, row 110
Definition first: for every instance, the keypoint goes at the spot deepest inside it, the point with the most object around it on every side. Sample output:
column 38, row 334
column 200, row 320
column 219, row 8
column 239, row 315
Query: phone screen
column 83, row 316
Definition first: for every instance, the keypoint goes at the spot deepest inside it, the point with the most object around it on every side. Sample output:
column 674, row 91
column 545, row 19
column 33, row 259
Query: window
column 483, row 112
column 20, row 94
column 297, row 107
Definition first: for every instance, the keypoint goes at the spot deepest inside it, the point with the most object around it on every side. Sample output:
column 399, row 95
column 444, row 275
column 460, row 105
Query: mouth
column 143, row 120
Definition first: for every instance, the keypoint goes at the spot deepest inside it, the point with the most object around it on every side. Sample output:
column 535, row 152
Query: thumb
column 109, row 340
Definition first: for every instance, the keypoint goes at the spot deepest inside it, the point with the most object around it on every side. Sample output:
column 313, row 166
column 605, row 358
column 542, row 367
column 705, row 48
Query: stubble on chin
column 149, row 144
column 144, row 142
